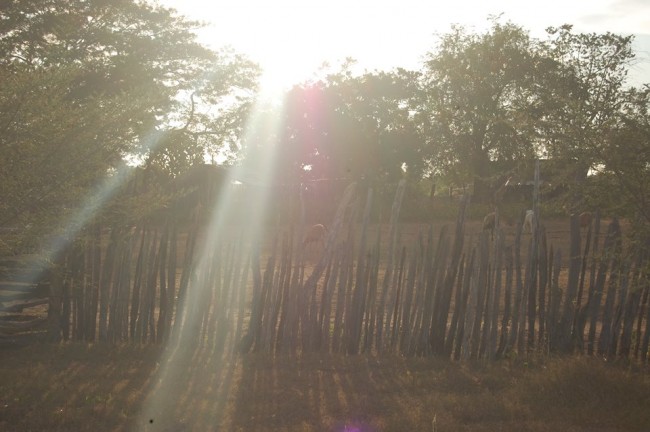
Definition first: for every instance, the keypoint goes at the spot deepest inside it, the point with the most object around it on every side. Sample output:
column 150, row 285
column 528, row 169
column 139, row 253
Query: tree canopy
column 85, row 84
column 352, row 127
column 478, row 100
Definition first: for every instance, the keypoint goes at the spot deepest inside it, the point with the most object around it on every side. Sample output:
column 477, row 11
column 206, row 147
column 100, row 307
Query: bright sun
column 292, row 39
column 289, row 40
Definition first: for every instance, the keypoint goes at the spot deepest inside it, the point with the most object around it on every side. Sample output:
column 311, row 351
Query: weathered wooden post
column 605, row 339
column 530, row 287
column 392, row 240
column 596, row 293
column 55, row 302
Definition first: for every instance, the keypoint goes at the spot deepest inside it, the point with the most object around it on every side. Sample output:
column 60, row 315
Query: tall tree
column 584, row 99
column 86, row 83
column 621, row 185
column 382, row 103
column 354, row 126
column 478, row 90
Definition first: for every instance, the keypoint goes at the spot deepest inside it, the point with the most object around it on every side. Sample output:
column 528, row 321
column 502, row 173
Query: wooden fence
column 438, row 296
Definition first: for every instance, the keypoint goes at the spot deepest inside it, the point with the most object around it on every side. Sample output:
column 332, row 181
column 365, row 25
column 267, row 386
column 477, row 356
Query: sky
column 291, row 39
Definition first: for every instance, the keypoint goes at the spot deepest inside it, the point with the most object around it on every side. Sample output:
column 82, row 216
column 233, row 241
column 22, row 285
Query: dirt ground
column 80, row 387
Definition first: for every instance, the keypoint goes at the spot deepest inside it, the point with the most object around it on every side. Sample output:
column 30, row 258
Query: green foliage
column 352, row 127
column 623, row 178
column 53, row 148
column 584, row 96
column 502, row 97
column 476, row 92
column 86, row 84
column 587, row 92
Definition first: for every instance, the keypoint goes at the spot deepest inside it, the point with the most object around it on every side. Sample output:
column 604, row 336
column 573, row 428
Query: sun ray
column 259, row 159
column 87, row 210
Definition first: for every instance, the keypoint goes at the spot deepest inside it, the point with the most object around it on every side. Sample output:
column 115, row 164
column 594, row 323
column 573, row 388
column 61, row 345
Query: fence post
column 392, row 240
column 55, row 299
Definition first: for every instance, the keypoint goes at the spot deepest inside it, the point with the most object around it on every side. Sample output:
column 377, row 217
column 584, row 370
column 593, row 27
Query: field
column 131, row 387
column 77, row 387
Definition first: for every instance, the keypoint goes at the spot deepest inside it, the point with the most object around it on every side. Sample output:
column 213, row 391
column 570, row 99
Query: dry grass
column 72, row 387
column 76, row 387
